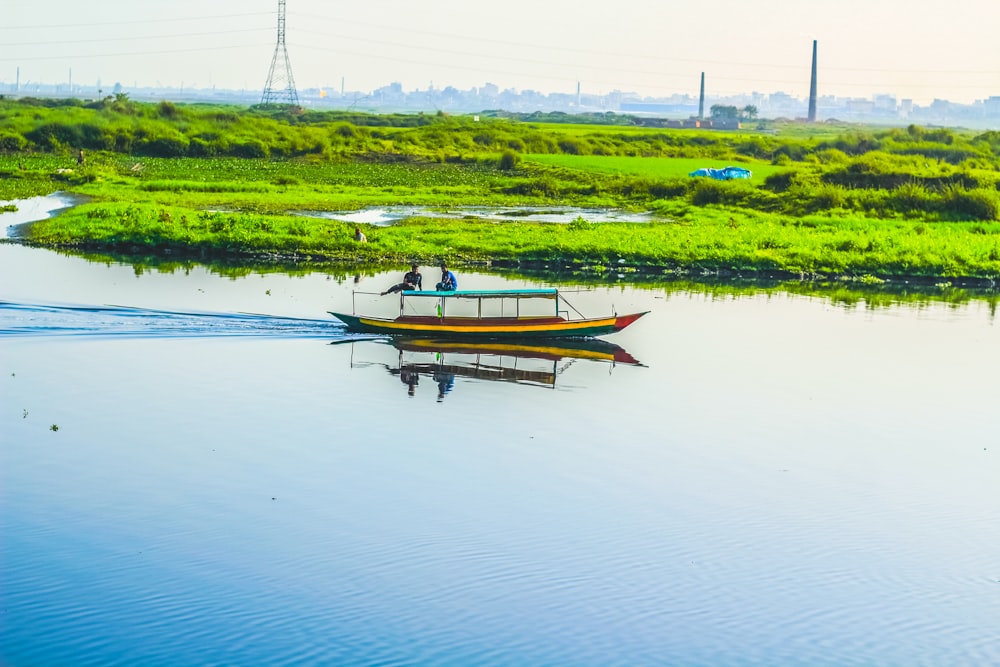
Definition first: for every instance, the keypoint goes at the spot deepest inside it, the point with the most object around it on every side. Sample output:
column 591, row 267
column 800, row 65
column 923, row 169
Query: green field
column 655, row 167
column 864, row 203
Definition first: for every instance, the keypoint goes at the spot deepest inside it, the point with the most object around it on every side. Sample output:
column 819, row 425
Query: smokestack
column 812, row 88
column 701, row 99
column 578, row 94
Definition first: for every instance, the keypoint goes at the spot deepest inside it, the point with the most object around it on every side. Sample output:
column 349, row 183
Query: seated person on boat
column 449, row 283
column 412, row 280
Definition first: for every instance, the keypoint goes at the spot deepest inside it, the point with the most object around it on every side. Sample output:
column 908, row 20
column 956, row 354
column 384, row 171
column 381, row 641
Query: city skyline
column 865, row 49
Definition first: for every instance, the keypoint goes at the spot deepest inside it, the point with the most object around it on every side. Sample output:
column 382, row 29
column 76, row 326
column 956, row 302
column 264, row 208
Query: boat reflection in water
column 535, row 363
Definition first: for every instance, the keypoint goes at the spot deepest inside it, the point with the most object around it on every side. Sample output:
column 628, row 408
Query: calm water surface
column 203, row 470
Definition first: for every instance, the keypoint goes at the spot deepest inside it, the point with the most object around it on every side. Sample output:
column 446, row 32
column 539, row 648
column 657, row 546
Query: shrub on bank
column 978, row 204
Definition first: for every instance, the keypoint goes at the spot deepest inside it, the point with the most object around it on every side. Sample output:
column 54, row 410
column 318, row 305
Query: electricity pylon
column 280, row 86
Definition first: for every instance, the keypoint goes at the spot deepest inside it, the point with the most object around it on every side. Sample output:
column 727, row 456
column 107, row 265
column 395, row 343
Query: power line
column 578, row 66
column 136, row 53
column 134, row 37
column 522, row 45
column 508, row 65
column 136, row 22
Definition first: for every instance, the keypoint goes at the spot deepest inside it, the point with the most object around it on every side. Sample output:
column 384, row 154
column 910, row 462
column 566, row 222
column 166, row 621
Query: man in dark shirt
column 412, row 280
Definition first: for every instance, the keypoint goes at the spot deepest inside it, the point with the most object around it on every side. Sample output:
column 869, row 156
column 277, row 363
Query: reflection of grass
column 849, row 293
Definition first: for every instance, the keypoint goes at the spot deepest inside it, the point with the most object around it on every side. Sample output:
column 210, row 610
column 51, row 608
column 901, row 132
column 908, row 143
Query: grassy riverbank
column 206, row 182
column 716, row 243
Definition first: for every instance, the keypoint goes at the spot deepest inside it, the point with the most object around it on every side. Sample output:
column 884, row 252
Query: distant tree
column 721, row 111
column 122, row 104
column 749, row 112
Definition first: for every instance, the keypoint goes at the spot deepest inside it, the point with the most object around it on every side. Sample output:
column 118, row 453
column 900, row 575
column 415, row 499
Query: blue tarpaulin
column 725, row 174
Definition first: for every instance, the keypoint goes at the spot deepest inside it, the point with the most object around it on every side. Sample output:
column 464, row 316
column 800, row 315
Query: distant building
column 860, row 106
column 657, row 107
column 885, row 103
column 991, row 106
column 724, row 124
column 674, row 110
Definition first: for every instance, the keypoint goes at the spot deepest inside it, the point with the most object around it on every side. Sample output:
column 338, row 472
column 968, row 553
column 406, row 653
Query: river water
column 198, row 468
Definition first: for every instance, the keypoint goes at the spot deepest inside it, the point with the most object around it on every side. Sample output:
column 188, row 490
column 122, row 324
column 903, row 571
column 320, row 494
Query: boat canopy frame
column 480, row 295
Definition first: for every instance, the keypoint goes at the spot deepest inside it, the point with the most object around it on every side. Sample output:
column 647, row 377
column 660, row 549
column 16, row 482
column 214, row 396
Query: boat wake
column 25, row 319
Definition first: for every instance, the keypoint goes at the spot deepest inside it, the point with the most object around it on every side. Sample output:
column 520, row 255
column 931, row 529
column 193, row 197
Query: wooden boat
column 486, row 314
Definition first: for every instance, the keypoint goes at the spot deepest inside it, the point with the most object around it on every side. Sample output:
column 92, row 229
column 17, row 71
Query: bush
column 707, row 192
column 573, row 147
column 971, row 204
column 201, row 148
column 175, row 146
column 166, row 109
column 509, row 160
column 544, row 186
column 665, row 189
column 779, row 181
column 793, row 152
column 911, row 197
column 53, row 136
column 252, row 148
column 755, row 147
column 827, row 197
column 345, row 130
column 12, row 143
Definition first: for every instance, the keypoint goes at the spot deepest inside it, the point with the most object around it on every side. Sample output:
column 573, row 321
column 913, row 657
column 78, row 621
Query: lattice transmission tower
column 280, row 86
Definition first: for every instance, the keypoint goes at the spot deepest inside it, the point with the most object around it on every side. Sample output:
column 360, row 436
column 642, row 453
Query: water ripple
column 26, row 319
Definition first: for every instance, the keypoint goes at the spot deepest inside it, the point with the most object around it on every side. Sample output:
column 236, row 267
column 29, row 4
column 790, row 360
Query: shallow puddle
column 388, row 215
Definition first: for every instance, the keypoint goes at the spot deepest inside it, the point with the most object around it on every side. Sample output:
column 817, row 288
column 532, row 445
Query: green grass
column 22, row 177
column 823, row 200
column 722, row 241
column 265, row 186
column 654, row 167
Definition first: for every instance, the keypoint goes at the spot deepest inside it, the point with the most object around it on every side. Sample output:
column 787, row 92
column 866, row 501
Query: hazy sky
column 919, row 49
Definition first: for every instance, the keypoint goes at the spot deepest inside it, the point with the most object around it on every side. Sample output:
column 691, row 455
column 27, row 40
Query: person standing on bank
column 412, row 280
column 449, row 283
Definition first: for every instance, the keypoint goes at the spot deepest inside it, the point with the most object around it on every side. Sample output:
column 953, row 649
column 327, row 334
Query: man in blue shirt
column 449, row 283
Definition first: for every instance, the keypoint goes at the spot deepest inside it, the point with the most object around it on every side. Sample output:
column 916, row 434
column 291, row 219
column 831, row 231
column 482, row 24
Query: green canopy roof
column 550, row 293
